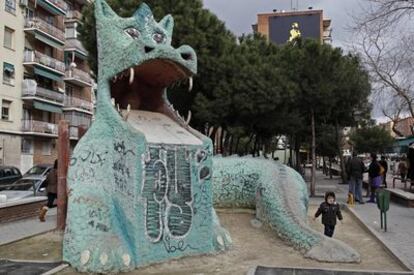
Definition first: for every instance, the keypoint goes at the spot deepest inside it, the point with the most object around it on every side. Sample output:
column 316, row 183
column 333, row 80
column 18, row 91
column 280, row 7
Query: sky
column 239, row 15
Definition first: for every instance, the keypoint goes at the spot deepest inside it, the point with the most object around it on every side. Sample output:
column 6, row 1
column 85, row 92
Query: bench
column 403, row 181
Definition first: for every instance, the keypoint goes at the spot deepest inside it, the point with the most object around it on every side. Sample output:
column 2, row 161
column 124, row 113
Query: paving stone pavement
column 13, row 231
column 400, row 232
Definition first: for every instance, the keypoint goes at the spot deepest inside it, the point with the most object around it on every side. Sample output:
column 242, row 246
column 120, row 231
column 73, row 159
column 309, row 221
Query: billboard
column 280, row 26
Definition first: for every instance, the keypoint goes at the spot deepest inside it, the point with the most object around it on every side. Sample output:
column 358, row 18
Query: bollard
column 383, row 203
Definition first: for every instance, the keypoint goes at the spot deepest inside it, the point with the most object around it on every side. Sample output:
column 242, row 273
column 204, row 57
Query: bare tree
column 385, row 42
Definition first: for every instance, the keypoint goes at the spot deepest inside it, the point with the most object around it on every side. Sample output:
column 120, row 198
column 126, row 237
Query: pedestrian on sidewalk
column 403, row 168
column 374, row 173
column 330, row 211
column 355, row 171
column 51, row 189
column 383, row 162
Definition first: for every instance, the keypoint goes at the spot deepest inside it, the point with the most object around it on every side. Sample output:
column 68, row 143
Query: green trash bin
column 383, row 203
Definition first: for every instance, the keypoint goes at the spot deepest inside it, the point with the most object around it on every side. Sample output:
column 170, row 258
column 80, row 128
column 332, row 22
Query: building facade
column 277, row 26
column 45, row 79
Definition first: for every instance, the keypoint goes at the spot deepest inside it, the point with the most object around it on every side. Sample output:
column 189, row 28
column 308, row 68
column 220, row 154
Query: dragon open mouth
column 142, row 87
column 138, row 96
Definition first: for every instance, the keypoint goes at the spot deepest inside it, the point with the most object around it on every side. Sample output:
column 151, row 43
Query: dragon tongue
column 131, row 75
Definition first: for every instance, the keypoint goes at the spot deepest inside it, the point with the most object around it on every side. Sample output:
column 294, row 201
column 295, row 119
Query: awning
column 47, row 107
column 49, row 41
column 47, row 74
column 8, row 68
column 47, row 5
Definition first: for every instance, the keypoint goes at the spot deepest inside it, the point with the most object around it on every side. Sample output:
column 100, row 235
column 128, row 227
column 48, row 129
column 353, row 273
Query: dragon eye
column 132, row 32
column 158, row 37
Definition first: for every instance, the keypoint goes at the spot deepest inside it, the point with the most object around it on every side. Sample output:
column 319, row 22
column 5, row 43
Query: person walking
column 383, row 162
column 355, row 170
column 51, row 189
column 374, row 173
column 403, row 168
column 330, row 211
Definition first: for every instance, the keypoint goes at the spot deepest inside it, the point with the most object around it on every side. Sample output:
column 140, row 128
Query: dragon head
column 136, row 60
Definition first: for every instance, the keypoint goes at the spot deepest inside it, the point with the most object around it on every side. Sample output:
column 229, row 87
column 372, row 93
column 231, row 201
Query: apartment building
column 45, row 79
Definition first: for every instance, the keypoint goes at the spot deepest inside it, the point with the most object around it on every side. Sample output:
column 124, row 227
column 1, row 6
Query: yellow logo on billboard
column 294, row 32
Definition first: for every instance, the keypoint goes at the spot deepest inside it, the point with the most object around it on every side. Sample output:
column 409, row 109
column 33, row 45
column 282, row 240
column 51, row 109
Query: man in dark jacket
column 330, row 210
column 355, row 170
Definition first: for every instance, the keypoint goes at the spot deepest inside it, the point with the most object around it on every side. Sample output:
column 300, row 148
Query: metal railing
column 23, row 187
column 30, row 88
column 39, row 127
column 37, row 57
column 44, row 26
column 78, row 103
column 74, row 14
column 78, row 75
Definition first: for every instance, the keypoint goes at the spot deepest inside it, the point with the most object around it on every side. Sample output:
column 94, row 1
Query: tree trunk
column 297, row 156
column 330, row 168
column 236, row 150
column 231, row 143
column 341, row 157
column 313, row 171
column 246, row 147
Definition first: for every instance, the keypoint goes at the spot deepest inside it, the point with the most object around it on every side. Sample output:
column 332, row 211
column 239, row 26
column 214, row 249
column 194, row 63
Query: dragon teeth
column 125, row 116
column 190, row 82
column 188, row 117
column 131, row 75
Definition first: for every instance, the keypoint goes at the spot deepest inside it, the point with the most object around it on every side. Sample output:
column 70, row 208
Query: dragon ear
column 143, row 11
column 168, row 24
column 103, row 10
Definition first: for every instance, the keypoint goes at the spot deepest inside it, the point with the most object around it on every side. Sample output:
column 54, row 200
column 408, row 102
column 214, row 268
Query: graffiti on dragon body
column 238, row 186
column 124, row 167
column 167, row 191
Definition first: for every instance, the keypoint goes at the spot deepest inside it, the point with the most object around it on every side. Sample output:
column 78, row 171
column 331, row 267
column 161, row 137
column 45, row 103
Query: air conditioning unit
column 24, row 3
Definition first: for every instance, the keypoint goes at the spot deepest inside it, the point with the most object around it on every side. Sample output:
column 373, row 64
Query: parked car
column 25, row 188
column 9, row 174
column 40, row 170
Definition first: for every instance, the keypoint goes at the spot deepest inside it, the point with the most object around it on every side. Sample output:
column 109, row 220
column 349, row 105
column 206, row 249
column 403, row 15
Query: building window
column 47, row 148
column 5, row 110
column 70, row 32
column 27, row 146
column 8, row 74
column 10, row 6
column 8, row 38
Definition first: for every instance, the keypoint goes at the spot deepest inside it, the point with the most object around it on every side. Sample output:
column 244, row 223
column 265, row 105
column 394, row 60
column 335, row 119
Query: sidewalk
column 400, row 235
column 13, row 231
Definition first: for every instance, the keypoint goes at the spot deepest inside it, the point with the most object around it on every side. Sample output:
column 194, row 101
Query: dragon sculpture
column 142, row 183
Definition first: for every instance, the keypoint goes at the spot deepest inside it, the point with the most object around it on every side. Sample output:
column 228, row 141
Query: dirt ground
column 251, row 247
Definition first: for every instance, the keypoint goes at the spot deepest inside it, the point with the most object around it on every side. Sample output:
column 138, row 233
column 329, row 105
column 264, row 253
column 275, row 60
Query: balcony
column 75, row 46
column 45, row 65
column 78, row 77
column 31, row 91
column 56, row 7
column 73, row 15
column 39, row 127
column 45, row 32
column 78, row 103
